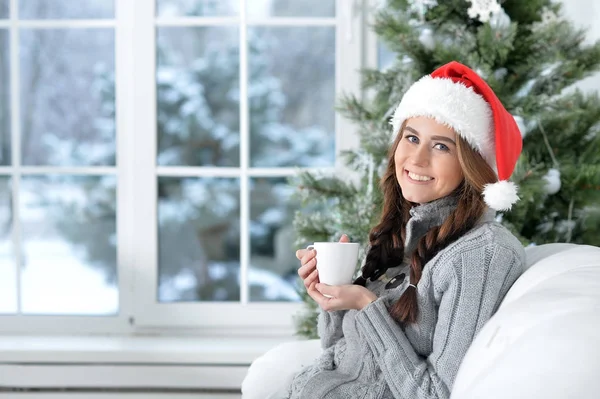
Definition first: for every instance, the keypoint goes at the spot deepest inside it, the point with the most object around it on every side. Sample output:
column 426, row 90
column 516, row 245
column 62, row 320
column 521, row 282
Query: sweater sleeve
column 329, row 327
column 474, row 286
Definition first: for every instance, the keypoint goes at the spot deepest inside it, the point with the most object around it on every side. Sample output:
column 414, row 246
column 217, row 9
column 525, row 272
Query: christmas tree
column 531, row 56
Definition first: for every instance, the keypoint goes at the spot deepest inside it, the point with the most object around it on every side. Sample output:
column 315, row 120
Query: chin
column 416, row 198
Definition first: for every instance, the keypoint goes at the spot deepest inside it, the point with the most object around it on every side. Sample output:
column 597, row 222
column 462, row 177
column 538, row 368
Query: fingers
column 300, row 253
column 331, row 290
column 327, row 304
column 344, row 238
column 312, row 278
column 309, row 263
column 316, row 295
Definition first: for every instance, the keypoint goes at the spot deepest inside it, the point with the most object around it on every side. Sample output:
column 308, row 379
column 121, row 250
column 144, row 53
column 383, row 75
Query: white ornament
column 483, row 9
column 552, row 178
column 521, row 124
column 426, row 38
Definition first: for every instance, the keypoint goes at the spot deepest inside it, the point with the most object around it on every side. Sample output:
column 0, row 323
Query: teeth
column 415, row 176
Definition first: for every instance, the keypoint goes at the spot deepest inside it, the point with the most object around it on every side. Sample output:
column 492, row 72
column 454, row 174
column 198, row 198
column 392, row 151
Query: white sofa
column 544, row 341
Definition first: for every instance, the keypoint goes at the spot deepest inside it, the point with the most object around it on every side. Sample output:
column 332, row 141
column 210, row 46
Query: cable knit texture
column 368, row 355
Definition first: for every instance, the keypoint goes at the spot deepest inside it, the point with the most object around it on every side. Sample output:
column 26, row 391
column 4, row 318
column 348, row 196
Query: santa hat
column 456, row 96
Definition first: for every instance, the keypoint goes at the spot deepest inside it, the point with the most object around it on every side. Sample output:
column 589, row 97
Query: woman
column 438, row 265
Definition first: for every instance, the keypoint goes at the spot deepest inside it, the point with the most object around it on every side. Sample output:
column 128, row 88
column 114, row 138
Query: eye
column 412, row 139
column 442, row 147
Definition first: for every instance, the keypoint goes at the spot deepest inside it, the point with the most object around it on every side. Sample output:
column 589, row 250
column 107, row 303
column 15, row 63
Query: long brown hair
column 387, row 237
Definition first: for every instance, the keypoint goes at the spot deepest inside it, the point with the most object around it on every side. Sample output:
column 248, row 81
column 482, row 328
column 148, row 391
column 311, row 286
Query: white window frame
column 136, row 171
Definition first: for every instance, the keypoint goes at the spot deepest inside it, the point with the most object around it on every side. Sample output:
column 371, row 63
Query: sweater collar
column 431, row 214
column 423, row 217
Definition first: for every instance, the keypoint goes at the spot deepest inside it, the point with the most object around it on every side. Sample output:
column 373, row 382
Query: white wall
column 585, row 14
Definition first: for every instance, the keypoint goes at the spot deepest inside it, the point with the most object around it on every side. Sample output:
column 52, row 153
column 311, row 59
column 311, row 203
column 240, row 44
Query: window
column 146, row 151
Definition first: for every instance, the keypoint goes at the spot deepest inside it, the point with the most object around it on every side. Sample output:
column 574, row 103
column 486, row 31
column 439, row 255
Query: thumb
column 344, row 238
column 325, row 289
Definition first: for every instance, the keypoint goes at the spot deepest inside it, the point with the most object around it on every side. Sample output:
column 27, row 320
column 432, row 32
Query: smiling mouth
column 418, row 178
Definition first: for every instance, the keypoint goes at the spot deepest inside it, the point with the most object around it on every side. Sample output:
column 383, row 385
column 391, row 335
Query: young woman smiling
column 438, row 265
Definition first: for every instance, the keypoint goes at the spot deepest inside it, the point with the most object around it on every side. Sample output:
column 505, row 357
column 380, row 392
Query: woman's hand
column 341, row 297
column 308, row 261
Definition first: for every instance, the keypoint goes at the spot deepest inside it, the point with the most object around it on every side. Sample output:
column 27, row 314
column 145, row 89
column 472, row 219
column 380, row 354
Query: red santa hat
column 456, row 96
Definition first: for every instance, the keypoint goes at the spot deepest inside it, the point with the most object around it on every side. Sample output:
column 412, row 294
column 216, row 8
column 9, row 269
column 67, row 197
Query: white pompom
column 500, row 195
column 552, row 178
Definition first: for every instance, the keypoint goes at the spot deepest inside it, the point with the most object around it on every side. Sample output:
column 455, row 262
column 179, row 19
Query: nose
column 420, row 156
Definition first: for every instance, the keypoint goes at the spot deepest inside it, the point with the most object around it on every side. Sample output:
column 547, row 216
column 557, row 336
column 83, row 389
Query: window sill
column 123, row 350
column 70, row 362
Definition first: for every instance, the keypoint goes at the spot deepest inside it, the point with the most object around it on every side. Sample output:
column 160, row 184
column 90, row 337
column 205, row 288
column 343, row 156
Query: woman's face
column 426, row 159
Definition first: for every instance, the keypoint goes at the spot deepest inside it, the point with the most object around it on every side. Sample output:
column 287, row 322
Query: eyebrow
column 433, row 138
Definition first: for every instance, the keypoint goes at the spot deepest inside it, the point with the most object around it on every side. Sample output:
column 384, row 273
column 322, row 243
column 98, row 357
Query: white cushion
column 544, row 341
column 270, row 375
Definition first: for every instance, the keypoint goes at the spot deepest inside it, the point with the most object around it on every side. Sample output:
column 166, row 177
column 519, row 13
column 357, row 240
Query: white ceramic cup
column 336, row 261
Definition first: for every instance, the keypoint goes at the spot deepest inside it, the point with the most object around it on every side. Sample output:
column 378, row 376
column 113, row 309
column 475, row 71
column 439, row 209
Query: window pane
column 287, row 8
column 198, row 96
column 199, row 239
column 197, row 8
column 5, row 156
column 4, row 8
column 292, row 96
column 67, row 97
column 52, row 9
column 8, row 270
column 385, row 57
column 273, row 264
column 69, row 245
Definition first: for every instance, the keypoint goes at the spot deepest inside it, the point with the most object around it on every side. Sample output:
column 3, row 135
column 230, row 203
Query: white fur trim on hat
column 500, row 195
column 452, row 104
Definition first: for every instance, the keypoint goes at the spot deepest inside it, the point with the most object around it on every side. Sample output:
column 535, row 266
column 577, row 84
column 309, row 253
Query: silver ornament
column 552, row 178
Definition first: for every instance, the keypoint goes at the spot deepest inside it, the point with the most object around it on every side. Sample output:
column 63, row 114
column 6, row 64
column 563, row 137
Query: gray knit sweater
column 368, row 355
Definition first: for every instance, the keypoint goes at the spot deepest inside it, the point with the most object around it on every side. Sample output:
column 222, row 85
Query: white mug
column 336, row 261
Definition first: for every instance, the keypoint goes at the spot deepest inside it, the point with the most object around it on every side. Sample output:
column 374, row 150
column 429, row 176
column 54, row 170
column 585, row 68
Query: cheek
column 400, row 154
column 451, row 172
